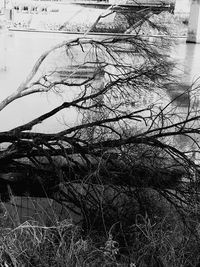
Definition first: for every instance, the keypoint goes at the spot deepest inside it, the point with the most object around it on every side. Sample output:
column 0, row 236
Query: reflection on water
column 187, row 55
column 19, row 51
column 187, row 71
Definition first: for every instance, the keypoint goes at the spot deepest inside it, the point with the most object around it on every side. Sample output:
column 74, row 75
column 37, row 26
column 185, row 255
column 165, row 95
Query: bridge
column 155, row 6
column 194, row 22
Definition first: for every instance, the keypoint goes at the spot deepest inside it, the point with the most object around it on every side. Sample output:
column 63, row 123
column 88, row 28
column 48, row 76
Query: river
column 19, row 51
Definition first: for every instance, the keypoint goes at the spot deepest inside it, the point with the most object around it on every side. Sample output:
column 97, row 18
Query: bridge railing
column 129, row 2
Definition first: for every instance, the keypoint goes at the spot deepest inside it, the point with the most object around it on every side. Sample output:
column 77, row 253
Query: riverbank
column 80, row 20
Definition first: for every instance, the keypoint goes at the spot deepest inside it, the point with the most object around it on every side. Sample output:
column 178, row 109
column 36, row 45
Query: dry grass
column 163, row 242
column 62, row 244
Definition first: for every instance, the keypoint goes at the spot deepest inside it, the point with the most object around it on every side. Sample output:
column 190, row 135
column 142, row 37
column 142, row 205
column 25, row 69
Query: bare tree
column 126, row 132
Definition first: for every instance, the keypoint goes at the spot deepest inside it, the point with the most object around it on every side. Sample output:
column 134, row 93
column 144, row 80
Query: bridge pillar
column 182, row 8
column 194, row 22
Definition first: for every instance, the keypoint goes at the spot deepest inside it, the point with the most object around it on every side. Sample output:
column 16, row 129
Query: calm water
column 19, row 51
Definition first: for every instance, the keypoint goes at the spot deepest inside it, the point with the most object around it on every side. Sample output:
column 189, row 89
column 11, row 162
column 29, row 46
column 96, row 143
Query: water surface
column 19, row 51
